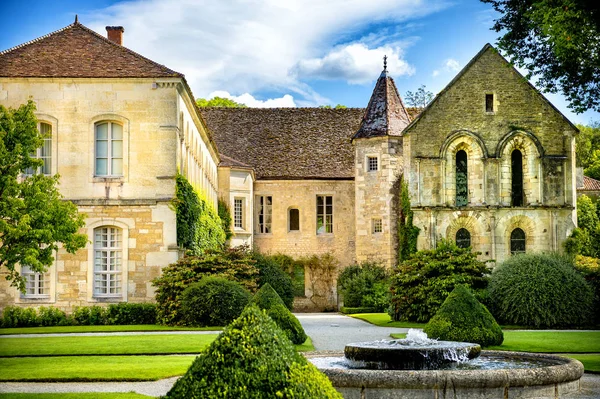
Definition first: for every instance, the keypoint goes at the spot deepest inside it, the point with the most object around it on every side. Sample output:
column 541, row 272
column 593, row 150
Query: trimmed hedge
column 540, row 290
column 462, row 318
column 348, row 310
column 213, row 301
column 269, row 271
column 365, row 285
column 252, row 359
column 288, row 323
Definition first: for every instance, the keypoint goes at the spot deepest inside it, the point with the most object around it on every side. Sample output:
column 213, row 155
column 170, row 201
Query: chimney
column 115, row 34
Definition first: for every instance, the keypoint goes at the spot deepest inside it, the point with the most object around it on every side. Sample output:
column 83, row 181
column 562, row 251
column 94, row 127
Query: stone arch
column 513, row 221
column 469, row 221
column 476, row 151
column 532, row 151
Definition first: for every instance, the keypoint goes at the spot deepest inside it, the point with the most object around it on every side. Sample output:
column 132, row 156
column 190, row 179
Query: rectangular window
column 377, row 226
column 294, row 219
column 37, row 283
column 264, row 211
column 324, row 214
column 108, row 253
column 489, row 103
column 238, row 213
column 372, row 164
column 109, row 149
column 44, row 152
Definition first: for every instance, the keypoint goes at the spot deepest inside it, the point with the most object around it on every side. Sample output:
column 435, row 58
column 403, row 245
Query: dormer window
column 489, row 103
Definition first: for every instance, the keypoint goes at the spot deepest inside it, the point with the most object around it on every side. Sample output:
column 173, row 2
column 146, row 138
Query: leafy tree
column 558, row 41
column 420, row 98
column 588, row 144
column 339, row 106
column 218, row 102
column 33, row 216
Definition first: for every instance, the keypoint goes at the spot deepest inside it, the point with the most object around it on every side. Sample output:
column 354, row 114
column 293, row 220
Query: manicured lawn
column 384, row 320
column 93, row 368
column 106, row 345
column 550, row 341
column 591, row 361
column 88, row 329
column 73, row 396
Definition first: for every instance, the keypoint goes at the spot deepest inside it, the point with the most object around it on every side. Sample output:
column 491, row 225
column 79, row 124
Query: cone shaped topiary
column 252, row 358
column 266, row 297
column 462, row 318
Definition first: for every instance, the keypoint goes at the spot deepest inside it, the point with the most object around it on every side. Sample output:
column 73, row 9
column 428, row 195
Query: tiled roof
column 78, row 52
column 287, row 143
column 232, row 163
column 385, row 114
column 590, row 184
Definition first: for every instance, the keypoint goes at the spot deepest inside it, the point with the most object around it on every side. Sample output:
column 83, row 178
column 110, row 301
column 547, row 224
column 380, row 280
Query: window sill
column 324, row 234
column 98, row 179
column 40, row 298
column 115, row 298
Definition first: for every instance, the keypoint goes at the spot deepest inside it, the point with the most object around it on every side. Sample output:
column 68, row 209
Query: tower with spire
column 379, row 165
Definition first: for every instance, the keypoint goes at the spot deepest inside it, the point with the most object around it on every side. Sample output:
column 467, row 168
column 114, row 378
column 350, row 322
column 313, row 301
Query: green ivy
column 199, row 227
column 225, row 215
column 407, row 233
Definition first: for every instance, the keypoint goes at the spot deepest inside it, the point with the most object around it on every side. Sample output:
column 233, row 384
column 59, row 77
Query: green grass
column 94, row 368
column 307, row 346
column 384, row 320
column 591, row 361
column 88, row 329
column 550, row 341
column 106, row 345
column 130, row 395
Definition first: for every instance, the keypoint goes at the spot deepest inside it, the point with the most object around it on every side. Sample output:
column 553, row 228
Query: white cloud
column 286, row 101
column 355, row 63
column 449, row 65
column 243, row 46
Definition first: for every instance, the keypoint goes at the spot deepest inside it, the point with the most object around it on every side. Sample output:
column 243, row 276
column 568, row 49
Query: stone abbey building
column 489, row 163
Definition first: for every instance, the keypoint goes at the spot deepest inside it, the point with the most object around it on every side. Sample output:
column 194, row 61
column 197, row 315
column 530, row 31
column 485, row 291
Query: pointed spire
column 76, row 19
column 385, row 115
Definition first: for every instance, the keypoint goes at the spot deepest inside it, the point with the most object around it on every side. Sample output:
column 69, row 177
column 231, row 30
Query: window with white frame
column 264, row 213
column 109, row 149
column 36, row 285
column 376, row 225
column 108, row 255
column 372, row 164
column 324, row 214
column 238, row 213
column 44, row 152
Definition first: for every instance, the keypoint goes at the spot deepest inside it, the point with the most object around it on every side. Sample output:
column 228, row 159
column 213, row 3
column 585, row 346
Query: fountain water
column 419, row 367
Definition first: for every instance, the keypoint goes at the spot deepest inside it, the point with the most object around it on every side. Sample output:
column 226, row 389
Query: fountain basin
column 552, row 377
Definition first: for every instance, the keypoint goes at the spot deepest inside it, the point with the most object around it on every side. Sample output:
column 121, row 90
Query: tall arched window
column 462, row 182
column 517, row 178
column 463, row 238
column 109, row 149
column 517, row 241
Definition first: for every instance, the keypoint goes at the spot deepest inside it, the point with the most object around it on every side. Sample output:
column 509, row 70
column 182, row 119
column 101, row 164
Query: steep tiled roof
column 385, row 114
column 287, row 143
column 232, row 163
column 590, row 184
column 78, row 52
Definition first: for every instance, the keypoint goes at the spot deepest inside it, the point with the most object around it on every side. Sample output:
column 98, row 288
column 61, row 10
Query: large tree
column 420, row 98
column 34, row 218
column 558, row 41
column 218, row 102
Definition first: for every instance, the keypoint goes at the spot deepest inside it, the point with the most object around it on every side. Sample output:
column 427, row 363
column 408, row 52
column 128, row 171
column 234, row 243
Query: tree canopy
column 558, row 41
column 420, row 98
column 588, row 149
column 217, row 102
column 33, row 216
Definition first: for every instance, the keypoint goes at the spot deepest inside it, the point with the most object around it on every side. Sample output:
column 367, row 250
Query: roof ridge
column 37, row 39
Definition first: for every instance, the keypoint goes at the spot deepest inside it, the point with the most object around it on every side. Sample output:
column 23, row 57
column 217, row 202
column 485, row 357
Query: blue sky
column 285, row 52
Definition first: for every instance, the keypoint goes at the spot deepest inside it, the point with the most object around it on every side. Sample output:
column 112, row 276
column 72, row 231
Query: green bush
column 462, row 318
column 252, row 359
column 540, row 290
column 50, row 316
column 421, row 283
column 15, row 316
column 365, row 285
column 235, row 264
column 213, row 301
column 89, row 315
column 269, row 271
column 590, row 270
column 266, row 297
column 294, row 268
column 288, row 323
column 348, row 310
column 126, row 313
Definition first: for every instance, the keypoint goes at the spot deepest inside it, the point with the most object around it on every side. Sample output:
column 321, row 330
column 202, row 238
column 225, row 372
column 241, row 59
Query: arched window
column 108, row 255
column 517, row 242
column 462, row 183
column 109, row 149
column 517, row 178
column 463, row 238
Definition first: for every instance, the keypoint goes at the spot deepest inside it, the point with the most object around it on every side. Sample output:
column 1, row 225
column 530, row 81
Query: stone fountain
column 418, row 367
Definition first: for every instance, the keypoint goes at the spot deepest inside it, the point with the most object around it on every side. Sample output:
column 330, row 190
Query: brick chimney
column 115, row 34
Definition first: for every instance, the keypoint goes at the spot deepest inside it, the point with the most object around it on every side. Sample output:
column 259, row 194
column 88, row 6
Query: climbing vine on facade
column 407, row 233
column 225, row 215
column 198, row 225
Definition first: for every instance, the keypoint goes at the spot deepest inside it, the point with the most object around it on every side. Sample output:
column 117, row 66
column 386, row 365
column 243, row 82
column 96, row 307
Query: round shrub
column 252, row 359
column 462, row 318
column 365, row 286
column 269, row 271
column 590, row 270
column 288, row 323
column 540, row 290
column 213, row 301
